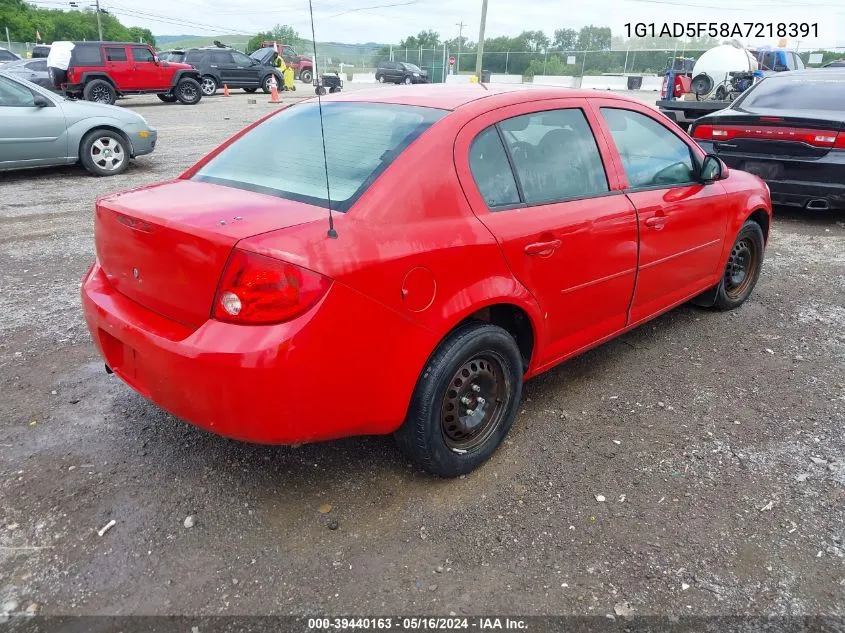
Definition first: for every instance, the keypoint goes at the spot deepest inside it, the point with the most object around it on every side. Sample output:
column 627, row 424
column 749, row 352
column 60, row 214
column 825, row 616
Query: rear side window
column 492, row 171
column 87, row 56
column 116, row 53
column 142, row 54
column 652, row 155
column 37, row 67
column 555, row 156
column 284, row 155
column 805, row 93
column 193, row 57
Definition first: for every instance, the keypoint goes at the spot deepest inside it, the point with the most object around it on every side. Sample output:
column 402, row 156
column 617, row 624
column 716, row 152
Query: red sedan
column 481, row 236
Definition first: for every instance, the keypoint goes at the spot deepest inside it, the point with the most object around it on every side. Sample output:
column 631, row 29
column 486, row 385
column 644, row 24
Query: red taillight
column 817, row 138
column 664, row 87
column 679, row 86
column 259, row 290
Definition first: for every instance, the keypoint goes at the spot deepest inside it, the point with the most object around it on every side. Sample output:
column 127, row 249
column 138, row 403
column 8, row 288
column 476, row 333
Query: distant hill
column 336, row 51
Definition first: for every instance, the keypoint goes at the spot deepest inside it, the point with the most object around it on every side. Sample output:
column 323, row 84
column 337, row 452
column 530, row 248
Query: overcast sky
column 344, row 21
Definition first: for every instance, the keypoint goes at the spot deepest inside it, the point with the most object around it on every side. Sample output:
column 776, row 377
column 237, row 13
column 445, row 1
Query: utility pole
column 480, row 52
column 99, row 24
column 460, row 26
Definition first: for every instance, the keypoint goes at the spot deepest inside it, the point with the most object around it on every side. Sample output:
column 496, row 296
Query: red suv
column 100, row 71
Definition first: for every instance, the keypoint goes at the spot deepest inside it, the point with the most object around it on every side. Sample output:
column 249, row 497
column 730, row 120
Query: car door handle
column 543, row 249
column 656, row 222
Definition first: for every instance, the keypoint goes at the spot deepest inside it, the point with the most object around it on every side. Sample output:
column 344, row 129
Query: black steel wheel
column 465, row 401
column 474, row 404
column 743, row 267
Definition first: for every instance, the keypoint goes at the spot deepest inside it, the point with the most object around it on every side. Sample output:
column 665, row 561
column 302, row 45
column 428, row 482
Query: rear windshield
column 794, row 93
column 284, row 155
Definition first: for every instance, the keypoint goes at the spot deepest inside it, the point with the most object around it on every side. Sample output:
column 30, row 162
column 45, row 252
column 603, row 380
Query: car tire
column 208, row 85
column 104, row 153
column 265, row 84
column 407, row 81
column 380, row 79
column 188, row 91
column 167, row 97
column 250, row 90
column 99, row 91
column 478, row 363
column 742, row 270
column 306, row 76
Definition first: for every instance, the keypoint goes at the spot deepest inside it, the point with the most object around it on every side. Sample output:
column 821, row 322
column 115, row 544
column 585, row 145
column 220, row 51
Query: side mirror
column 712, row 169
column 156, row 60
column 41, row 102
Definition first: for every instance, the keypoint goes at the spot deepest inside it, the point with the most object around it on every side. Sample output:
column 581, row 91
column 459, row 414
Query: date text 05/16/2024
column 722, row 29
column 417, row 624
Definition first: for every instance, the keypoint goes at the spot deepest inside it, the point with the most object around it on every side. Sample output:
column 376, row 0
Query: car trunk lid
column 772, row 134
column 165, row 246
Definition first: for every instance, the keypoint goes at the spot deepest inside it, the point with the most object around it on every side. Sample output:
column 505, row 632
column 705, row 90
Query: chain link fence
column 24, row 49
column 648, row 62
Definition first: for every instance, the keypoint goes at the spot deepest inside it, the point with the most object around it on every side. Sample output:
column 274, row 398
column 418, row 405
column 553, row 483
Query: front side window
column 37, row 67
column 492, row 171
column 13, row 94
column 284, row 155
column 116, row 54
column 142, row 54
column 241, row 59
column 555, row 156
column 652, row 155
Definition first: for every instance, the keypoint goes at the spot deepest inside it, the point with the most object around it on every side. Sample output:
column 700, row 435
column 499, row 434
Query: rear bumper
column 324, row 375
column 817, row 182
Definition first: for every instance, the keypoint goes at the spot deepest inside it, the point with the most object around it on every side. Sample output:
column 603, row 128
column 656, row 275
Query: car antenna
column 332, row 233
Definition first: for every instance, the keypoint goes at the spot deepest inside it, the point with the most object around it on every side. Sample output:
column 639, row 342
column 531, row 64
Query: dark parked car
column 172, row 56
column 33, row 70
column 7, row 56
column 40, row 51
column 400, row 73
column 836, row 63
column 218, row 66
column 789, row 130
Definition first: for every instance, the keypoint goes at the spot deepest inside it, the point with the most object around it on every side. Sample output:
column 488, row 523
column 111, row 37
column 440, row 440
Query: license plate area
column 123, row 361
column 766, row 171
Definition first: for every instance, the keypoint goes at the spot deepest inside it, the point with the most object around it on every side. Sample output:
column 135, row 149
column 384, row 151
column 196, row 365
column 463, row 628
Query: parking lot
column 715, row 439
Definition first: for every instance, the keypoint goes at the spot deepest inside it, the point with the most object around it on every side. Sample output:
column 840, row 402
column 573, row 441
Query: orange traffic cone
column 274, row 91
column 225, row 90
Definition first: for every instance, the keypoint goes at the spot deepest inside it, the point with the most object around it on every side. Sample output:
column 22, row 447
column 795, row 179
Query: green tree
column 565, row 39
column 594, row 38
column 423, row 39
column 281, row 33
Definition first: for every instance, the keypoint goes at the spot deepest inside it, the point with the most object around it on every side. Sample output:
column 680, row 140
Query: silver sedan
column 40, row 129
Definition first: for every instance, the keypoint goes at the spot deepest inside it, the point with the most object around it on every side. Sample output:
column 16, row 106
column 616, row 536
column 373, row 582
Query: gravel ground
column 714, row 439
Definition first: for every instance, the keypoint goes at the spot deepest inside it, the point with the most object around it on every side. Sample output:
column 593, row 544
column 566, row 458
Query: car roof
column 454, row 96
column 812, row 73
